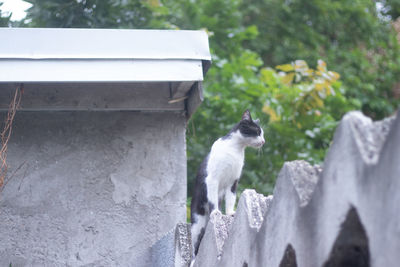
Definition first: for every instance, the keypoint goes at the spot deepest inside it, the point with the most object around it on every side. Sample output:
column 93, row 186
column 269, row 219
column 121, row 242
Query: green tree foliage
column 304, row 106
column 299, row 106
column 4, row 19
column 350, row 35
column 390, row 8
column 95, row 14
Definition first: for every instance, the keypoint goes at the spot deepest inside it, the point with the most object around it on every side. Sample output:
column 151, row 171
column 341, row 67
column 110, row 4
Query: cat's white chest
column 225, row 163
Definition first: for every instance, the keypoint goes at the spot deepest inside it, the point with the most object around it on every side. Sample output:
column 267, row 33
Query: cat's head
column 251, row 133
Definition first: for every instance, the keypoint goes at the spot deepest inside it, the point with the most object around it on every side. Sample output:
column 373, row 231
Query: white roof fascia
column 99, row 70
column 102, row 55
column 46, row 43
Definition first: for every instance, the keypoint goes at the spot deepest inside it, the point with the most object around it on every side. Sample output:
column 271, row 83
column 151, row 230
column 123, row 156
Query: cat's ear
column 257, row 121
column 246, row 116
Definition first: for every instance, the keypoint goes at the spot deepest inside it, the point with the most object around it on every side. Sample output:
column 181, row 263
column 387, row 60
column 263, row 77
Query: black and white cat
column 219, row 174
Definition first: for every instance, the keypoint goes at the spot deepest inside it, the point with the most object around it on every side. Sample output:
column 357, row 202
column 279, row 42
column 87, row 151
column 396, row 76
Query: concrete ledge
column 251, row 211
column 214, row 236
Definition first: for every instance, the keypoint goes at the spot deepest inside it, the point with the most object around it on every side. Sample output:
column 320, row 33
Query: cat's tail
column 197, row 230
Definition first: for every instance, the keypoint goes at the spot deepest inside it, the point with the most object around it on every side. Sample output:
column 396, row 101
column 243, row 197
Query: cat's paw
column 215, row 213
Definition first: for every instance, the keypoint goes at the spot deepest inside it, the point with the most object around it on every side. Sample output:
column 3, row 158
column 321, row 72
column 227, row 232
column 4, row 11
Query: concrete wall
column 91, row 188
column 344, row 214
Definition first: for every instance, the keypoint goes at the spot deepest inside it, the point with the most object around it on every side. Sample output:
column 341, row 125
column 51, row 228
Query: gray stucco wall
column 91, row 188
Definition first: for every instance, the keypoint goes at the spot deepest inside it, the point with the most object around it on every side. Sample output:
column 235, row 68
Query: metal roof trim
column 49, row 43
column 84, row 70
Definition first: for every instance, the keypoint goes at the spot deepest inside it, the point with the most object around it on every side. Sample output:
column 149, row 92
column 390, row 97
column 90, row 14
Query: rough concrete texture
column 162, row 252
column 347, row 214
column 173, row 249
column 95, row 96
column 92, row 188
column 183, row 245
column 250, row 213
column 214, row 236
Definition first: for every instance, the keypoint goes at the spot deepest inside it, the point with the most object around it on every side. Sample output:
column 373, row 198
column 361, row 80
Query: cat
column 219, row 174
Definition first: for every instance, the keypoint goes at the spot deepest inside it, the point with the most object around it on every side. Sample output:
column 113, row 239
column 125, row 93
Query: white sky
column 17, row 7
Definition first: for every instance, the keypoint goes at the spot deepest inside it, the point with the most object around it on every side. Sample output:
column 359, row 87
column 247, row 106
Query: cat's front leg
column 230, row 199
column 212, row 194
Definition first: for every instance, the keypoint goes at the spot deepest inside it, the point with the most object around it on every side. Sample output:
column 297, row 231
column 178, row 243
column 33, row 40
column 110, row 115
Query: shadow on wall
column 349, row 250
column 351, row 246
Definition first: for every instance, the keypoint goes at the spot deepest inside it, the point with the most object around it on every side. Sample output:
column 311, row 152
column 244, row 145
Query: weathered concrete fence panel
column 346, row 214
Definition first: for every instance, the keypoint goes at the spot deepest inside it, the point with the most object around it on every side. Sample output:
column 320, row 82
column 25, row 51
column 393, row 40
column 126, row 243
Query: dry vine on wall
column 6, row 133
